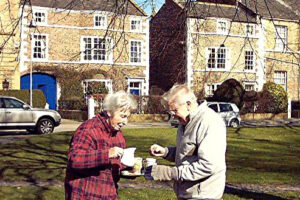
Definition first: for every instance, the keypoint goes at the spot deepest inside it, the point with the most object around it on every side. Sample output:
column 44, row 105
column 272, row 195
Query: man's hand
column 115, row 152
column 156, row 150
column 161, row 173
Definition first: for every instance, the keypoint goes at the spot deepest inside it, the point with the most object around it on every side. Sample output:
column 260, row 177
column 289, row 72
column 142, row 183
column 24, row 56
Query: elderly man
column 200, row 151
column 94, row 166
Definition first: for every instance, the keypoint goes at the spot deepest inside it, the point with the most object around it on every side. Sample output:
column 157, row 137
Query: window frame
column 138, row 53
column 107, row 82
column 215, row 62
column 141, row 81
column 42, row 12
column 253, row 61
column 249, row 84
column 108, row 50
column 278, row 80
column 33, row 35
column 207, row 88
column 279, row 40
column 105, row 21
column 219, row 28
column 137, row 29
column 247, row 32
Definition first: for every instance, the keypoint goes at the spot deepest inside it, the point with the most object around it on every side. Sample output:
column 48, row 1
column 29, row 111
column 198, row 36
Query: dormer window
column 100, row 21
column 222, row 27
column 135, row 25
column 250, row 30
column 40, row 17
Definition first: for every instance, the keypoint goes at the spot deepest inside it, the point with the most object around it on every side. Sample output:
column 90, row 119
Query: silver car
column 228, row 111
column 15, row 114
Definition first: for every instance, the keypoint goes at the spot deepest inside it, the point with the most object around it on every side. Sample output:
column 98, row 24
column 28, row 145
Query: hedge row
column 38, row 97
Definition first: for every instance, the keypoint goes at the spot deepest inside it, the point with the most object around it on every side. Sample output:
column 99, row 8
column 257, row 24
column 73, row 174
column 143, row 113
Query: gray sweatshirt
column 200, row 156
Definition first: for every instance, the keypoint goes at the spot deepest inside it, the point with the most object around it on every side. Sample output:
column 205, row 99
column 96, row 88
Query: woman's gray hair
column 179, row 94
column 119, row 100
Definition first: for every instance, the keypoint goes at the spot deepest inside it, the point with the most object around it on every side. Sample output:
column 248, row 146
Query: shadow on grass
column 38, row 158
column 251, row 194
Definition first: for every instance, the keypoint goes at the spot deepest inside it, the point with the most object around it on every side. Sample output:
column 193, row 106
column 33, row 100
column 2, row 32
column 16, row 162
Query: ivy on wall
column 70, row 79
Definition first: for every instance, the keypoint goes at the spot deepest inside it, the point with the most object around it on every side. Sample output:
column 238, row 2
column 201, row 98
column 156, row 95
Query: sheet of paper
column 128, row 157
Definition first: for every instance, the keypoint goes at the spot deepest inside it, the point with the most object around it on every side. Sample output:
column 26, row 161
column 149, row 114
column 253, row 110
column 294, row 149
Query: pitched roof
column 117, row 6
column 278, row 9
column 209, row 9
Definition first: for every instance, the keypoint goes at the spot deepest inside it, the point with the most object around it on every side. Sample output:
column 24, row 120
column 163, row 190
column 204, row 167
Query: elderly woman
column 94, row 165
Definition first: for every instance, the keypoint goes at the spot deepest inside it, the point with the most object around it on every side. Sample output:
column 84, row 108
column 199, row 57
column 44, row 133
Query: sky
column 146, row 5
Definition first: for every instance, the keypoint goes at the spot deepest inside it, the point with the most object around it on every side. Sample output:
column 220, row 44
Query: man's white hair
column 119, row 100
column 179, row 94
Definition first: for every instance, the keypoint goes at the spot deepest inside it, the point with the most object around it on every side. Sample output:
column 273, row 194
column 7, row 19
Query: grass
column 254, row 155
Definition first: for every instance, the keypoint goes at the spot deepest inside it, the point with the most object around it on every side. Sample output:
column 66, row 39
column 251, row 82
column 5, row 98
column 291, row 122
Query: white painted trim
column 39, row 11
column 254, row 83
column 254, row 61
column 47, row 47
column 136, row 80
column 135, row 18
column 227, row 59
column 90, row 28
column 189, row 53
column 218, row 26
column 142, row 57
column 208, row 70
column 105, row 23
column 109, row 51
column 147, row 58
column 80, row 62
column 229, row 35
column 254, row 30
column 108, row 84
column 23, row 30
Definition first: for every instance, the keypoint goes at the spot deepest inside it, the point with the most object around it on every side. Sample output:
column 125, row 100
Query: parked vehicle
column 228, row 111
column 15, row 114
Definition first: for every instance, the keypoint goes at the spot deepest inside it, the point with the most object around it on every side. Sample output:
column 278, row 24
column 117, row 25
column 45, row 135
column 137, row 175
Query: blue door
column 44, row 82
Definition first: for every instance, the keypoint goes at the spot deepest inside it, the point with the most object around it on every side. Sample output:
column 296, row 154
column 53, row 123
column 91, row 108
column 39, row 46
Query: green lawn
column 254, row 155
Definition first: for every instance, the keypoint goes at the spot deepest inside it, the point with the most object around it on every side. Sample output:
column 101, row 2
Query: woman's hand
column 115, row 152
column 156, row 150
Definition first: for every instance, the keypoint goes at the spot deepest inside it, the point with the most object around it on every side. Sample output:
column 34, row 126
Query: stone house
column 9, row 44
column 205, row 42
column 110, row 38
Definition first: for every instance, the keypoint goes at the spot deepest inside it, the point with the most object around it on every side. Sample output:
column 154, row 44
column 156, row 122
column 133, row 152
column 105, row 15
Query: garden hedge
column 38, row 97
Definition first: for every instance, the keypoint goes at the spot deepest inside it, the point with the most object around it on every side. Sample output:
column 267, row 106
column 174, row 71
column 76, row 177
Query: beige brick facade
column 9, row 44
column 219, row 39
column 65, row 31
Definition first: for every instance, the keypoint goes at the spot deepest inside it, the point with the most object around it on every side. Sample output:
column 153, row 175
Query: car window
column 12, row 103
column 2, row 105
column 225, row 108
column 214, row 107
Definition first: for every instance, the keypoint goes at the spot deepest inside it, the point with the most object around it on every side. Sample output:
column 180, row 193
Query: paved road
column 7, row 136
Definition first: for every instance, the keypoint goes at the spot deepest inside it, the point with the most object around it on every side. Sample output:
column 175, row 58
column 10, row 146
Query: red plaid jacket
column 91, row 174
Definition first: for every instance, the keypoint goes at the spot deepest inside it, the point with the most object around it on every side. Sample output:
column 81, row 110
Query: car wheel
column 45, row 126
column 234, row 123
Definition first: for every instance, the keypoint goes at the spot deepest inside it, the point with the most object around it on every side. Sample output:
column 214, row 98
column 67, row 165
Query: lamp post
column 5, row 84
column 31, row 54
